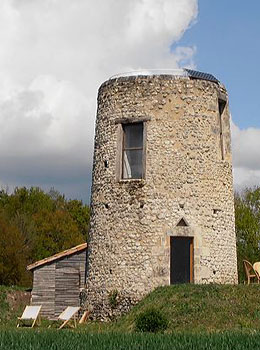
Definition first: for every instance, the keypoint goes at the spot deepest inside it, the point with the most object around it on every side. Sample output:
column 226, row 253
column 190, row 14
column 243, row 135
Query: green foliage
column 80, row 214
column 26, row 201
column 151, row 320
column 247, row 214
column 56, row 231
column 113, row 298
column 37, row 225
column 13, row 254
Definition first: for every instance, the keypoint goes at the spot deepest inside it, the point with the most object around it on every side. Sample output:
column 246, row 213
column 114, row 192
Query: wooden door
column 66, row 288
column 181, row 260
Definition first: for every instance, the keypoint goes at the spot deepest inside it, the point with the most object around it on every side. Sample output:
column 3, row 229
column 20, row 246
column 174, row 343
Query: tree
column 25, row 200
column 44, row 223
column 13, row 255
column 80, row 214
column 54, row 232
column 247, row 215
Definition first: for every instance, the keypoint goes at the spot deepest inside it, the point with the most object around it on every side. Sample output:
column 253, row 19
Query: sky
column 54, row 54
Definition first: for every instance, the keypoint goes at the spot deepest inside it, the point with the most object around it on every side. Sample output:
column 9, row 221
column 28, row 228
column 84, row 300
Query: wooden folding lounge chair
column 85, row 316
column 250, row 272
column 31, row 315
column 256, row 267
column 68, row 316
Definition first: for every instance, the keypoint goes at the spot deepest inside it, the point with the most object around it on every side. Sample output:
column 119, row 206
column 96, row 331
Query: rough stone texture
column 185, row 177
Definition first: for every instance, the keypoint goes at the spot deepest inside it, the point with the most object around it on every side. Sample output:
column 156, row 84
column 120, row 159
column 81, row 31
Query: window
column 221, row 107
column 132, row 151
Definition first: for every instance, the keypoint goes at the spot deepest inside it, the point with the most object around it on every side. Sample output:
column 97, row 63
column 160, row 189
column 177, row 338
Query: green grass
column 201, row 308
column 200, row 317
column 193, row 308
column 67, row 340
column 8, row 314
column 4, row 307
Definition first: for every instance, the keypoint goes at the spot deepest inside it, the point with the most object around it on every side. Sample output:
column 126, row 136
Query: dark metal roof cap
column 200, row 75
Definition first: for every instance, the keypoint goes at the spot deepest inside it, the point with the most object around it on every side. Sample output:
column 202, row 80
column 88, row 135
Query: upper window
column 132, row 155
column 221, row 107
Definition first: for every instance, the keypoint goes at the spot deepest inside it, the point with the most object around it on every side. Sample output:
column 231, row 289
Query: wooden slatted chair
column 251, row 273
column 68, row 316
column 31, row 315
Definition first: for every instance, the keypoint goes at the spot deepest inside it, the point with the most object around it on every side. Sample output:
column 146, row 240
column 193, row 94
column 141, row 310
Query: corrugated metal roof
column 70, row 251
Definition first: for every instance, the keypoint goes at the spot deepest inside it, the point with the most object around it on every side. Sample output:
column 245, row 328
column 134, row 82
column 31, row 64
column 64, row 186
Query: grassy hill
column 188, row 308
column 200, row 308
column 200, row 317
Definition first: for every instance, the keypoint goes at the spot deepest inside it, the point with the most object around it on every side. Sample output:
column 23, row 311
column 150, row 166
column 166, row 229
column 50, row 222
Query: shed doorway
column 181, row 260
column 67, row 288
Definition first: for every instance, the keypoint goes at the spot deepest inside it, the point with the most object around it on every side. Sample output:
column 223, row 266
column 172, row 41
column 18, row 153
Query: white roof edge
column 174, row 72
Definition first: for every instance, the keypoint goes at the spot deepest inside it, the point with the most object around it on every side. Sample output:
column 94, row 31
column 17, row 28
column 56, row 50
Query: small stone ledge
column 181, row 231
column 133, row 119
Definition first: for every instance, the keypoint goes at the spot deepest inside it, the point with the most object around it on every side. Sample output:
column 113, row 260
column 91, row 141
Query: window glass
column 133, row 164
column 133, row 135
column 132, row 157
column 221, row 107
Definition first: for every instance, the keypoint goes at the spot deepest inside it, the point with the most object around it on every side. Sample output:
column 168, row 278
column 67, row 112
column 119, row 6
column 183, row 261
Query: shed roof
column 67, row 252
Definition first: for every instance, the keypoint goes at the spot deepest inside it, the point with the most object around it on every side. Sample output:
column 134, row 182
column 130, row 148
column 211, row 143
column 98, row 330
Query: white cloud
column 53, row 56
column 246, row 159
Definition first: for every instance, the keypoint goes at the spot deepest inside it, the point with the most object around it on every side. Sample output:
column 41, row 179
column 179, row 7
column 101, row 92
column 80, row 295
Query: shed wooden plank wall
column 76, row 261
column 57, row 284
column 43, row 292
column 69, row 278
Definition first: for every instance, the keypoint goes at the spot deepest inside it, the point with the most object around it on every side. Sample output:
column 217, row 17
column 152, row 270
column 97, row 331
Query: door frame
column 191, row 238
column 192, row 260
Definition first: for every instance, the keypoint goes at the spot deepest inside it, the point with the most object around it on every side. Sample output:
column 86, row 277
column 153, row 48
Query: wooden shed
column 57, row 280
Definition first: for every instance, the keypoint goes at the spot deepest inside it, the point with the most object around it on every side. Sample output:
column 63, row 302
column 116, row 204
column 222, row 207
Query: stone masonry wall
column 185, row 177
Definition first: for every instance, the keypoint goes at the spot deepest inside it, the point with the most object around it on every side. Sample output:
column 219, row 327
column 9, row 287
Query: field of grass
column 200, row 317
column 68, row 340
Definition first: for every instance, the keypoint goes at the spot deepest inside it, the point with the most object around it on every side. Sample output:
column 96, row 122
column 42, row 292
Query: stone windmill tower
column 162, row 193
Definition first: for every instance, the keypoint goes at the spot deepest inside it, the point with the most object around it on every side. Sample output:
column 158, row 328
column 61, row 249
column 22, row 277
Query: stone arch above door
column 181, row 227
column 182, row 222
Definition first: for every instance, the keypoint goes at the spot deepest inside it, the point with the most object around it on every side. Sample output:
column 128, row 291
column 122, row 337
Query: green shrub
column 113, row 299
column 151, row 320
